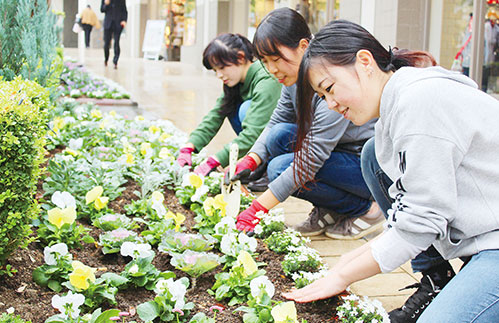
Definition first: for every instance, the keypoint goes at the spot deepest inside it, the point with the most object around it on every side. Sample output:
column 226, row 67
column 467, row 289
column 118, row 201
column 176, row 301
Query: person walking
column 115, row 19
column 436, row 141
column 250, row 95
column 88, row 21
column 326, row 173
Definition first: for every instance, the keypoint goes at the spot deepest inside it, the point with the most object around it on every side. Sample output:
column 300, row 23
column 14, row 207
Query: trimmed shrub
column 23, row 125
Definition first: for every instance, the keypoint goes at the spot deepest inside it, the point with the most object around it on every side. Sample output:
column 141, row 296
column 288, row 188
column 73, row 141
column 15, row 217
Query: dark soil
column 33, row 302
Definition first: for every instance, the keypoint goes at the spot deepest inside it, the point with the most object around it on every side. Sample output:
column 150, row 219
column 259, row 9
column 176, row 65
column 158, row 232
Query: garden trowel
column 232, row 191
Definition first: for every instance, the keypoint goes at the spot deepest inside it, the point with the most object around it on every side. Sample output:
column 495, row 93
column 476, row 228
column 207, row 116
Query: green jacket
column 263, row 90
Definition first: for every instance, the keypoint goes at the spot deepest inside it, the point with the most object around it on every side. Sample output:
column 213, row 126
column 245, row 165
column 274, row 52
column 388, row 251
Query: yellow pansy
column 157, row 196
column 179, row 219
column 285, row 313
column 164, row 153
column 154, row 129
column 112, row 135
column 195, row 180
column 164, row 136
column 112, row 113
column 248, row 263
column 101, row 202
column 207, row 205
column 81, row 276
column 96, row 113
column 72, row 152
column 139, row 118
column 93, row 194
column 130, row 159
column 59, row 217
column 58, row 124
column 144, row 147
column 220, row 204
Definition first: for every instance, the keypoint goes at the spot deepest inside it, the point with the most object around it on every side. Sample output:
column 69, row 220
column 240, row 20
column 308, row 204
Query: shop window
column 180, row 16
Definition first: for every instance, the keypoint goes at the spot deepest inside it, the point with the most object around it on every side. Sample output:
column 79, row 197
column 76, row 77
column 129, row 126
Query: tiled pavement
column 184, row 94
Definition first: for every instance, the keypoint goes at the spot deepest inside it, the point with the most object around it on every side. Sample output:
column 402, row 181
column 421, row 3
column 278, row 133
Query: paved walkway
column 184, row 94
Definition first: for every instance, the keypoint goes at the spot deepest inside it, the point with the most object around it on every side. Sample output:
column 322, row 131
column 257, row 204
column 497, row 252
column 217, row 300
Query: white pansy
column 136, row 250
column 134, row 269
column 262, row 283
column 178, row 290
column 159, row 208
column 63, row 200
column 200, row 192
column 74, row 300
column 75, row 144
column 227, row 244
column 247, row 243
column 50, row 254
column 258, row 229
column 226, row 225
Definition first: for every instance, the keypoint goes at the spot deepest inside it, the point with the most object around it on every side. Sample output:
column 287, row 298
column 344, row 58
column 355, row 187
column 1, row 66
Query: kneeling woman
column 436, row 139
column 330, row 168
column 249, row 98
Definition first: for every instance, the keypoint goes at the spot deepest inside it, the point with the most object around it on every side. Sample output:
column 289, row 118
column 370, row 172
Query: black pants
column 87, row 29
column 114, row 31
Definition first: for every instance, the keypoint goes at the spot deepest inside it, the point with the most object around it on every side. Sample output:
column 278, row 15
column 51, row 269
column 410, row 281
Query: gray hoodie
column 329, row 129
column 437, row 138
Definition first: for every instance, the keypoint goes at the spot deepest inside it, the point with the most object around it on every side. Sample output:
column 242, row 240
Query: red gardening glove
column 207, row 166
column 184, row 158
column 243, row 169
column 246, row 221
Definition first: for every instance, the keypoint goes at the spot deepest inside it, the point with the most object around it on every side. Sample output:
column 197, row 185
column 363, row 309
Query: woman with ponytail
column 328, row 175
column 250, row 95
column 432, row 168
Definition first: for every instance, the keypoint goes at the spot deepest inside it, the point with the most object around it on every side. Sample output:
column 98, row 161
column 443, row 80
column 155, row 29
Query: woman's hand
column 331, row 285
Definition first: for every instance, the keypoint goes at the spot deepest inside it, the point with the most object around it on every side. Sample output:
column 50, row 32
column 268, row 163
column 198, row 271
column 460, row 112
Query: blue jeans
column 378, row 183
column 471, row 296
column 236, row 117
column 338, row 184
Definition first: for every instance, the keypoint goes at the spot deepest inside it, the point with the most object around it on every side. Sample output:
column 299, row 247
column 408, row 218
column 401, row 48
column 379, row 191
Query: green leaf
column 39, row 277
column 104, row 317
column 250, row 318
column 55, row 286
column 88, row 239
column 148, row 311
column 115, row 279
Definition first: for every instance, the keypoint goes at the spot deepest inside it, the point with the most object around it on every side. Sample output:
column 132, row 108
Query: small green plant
column 11, row 318
column 301, row 258
column 56, row 269
column 281, row 241
column 356, row 309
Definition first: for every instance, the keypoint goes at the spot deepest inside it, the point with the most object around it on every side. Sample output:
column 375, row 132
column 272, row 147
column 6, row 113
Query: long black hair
column 337, row 43
column 223, row 51
column 283, row 26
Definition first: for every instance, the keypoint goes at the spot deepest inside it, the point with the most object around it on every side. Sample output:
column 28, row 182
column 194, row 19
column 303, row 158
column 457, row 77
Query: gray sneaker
column 347, row 228
column 317, row 222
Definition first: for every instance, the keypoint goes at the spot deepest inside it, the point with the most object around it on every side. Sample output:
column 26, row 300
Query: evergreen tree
column 28, row 40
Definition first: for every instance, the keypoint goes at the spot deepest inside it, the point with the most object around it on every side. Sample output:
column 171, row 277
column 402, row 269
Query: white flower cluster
column 302, row 254
column 309, row 276
column 232, row 244
column 355, row 307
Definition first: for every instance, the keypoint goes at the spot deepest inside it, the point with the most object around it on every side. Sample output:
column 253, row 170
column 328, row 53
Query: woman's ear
column 241, row 57
column 303, row 44
column 365, row 59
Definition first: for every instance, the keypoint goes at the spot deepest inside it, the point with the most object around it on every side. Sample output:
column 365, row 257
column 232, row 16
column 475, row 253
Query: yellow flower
column 248, row 263
column 129, row 159
column 220, row 204
column 157, row 196
column 95, row 113
column 139, row 118
column 164, row 153
column 112, row 135
column 195, row 180
column 179, row 219
column 112, row 113
column 58, row 124
column 154, row 129
column 164, row 136
column 207, row 205
column 60, row 217
column 144, row 147
column 101, row 202
column 81, row 275
column 285, row 313
column 72, row 152
column 93, row 194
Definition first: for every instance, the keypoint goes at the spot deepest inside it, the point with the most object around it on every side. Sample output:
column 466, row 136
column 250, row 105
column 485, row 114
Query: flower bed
column 124, row 227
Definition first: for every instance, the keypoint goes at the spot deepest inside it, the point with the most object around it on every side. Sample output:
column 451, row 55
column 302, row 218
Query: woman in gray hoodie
column 437, row 141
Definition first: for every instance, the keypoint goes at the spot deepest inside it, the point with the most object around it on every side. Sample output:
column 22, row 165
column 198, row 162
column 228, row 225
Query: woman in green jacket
column 249, row 98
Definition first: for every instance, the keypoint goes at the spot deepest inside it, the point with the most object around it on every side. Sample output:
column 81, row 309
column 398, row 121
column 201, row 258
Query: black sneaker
column 431, row 284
